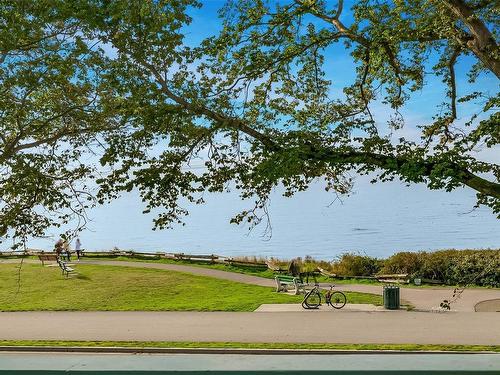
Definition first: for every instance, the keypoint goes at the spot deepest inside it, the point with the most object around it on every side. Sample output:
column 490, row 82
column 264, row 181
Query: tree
column 60, row 106
column 254, row 102
column 52, row 107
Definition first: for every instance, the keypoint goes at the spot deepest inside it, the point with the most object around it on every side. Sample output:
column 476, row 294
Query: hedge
column 452, row 267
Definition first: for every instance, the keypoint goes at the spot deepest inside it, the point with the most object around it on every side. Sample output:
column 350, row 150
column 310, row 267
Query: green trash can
column 391, row 297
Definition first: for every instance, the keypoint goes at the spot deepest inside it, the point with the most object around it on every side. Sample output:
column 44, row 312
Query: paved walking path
column 295, row 327
column 421, row 298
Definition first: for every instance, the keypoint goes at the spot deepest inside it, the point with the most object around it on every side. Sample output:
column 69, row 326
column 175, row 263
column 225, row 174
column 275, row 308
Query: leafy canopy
column 259, row 102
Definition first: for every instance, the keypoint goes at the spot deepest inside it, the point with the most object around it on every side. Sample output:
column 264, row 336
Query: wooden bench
column 275, row 267
column 326, row 273
column 284, row 281
column 232, row 261
column 208, row 258
column 47, row 257
column 66, row 270
column 402, row 278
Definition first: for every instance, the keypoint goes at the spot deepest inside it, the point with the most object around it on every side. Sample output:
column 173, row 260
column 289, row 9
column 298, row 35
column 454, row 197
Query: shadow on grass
column 80, row 277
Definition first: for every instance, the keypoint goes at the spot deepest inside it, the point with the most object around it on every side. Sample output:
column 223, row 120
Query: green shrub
column 350, row 264
column 479, row 268
column 453, row 267
column 404, row 262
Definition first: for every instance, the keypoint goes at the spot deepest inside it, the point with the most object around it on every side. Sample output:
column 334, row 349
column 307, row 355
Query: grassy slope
column 237, row 268
column 255, row 271
column 260, row 271
column 248, row 270
column 125, row 288
column 246, row 345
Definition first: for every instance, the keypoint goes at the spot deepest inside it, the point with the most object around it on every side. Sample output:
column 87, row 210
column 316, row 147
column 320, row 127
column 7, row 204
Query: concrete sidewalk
column 46, row 363
column 297, row 307
column 398, row 327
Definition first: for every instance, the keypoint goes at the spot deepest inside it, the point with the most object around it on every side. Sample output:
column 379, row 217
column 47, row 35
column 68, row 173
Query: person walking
column 78, row 248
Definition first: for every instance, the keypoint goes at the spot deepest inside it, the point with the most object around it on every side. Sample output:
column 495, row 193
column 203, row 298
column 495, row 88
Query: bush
column 453, row 267
column 350, row 264
column 404, row 262
column 479, row 268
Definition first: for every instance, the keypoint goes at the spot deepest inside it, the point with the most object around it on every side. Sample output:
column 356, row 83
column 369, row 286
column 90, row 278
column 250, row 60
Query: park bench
column 394, row 278
column 284, row 281
column 208, row 258
column 237, row 261
column 275, row 267
column 66, row 270
column 326, row 273
column 47, row 258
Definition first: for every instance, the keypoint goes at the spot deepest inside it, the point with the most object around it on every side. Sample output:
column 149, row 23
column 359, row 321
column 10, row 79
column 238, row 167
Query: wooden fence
column 209, row 258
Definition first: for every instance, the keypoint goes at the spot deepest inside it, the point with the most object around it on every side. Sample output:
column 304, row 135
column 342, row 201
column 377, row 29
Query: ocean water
column 377, row 220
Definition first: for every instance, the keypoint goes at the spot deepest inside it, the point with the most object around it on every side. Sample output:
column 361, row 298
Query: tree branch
column 223, row 120
column 335, row 21
column 10, row 151
column 453, row 86
column 482, row 43
column 393, row 163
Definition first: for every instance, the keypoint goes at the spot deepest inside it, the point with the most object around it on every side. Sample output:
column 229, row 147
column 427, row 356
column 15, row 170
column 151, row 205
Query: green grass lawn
column 108, row 288
column 246, row 269
column 260, row 271
column 237, row 268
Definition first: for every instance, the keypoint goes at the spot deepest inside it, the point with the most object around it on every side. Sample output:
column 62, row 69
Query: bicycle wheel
column 337, row 300
column 312, row 300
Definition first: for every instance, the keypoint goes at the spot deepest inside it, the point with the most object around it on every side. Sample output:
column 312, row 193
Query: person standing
column 78, row 248
column 67, row 250
column 58, row 248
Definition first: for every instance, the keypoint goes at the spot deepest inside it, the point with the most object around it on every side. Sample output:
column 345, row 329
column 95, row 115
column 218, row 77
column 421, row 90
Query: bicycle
column 334, row 298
